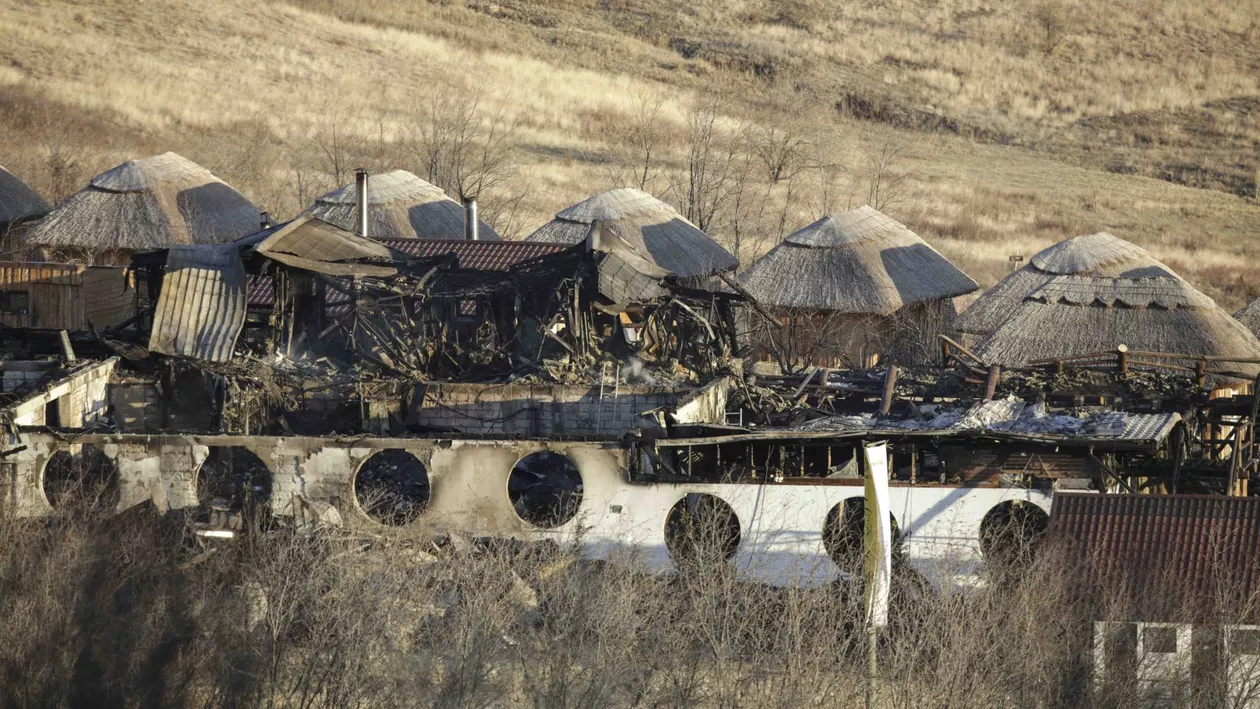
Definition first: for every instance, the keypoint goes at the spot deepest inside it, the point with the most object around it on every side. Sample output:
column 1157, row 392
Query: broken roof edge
column 45, row 392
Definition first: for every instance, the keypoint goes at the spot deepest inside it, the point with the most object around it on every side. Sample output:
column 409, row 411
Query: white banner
column 878, row 541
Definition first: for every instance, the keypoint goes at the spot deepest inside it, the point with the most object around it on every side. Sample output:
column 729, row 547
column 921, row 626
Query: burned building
column 582, row 392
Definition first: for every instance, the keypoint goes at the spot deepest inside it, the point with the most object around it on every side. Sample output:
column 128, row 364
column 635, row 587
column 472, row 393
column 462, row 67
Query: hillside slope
column 993, row 130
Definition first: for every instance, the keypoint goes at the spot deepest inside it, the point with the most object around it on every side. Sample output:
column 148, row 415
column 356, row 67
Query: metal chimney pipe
column 361, row 200
column 470, row 220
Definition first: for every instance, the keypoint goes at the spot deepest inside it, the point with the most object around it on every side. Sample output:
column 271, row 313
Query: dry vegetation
column 122, row 613
column 991, row 129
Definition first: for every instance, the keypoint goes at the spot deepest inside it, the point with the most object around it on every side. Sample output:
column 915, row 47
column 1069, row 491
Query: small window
column 1161, row 640
column 15, row 302
column 1245, row 641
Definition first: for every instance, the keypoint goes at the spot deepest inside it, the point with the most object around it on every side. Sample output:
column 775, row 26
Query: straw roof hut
column 1098, row 255
column 1094, row 293
column 400, row 206
column 880, row 287
column 152, row 203
column 649, row 225
column 857, row 262
column 18, row 202
column 1250, row 316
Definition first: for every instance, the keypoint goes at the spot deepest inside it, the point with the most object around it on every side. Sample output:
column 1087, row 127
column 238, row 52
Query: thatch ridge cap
column 386, row 188
column 1082, row 255
column 148, row 173
column 615, row 205
column 850, row 228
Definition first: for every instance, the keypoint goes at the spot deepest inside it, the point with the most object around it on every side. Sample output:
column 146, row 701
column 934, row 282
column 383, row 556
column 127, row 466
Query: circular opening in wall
column 545, row 489
column 392, row 487
column 700, row 530
column 1012, row 532
column 844, row 534
column 233, row 487
column 88, row 480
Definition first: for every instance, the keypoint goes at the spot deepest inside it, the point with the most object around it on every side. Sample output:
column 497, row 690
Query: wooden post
column 944, row 353
column 1199, row 377
column 890, row 387
column 990, row 383
column 67, row 350
column 1058, row 366
column 1122, row 357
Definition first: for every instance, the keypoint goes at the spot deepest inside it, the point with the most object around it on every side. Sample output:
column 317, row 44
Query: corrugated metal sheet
column 478, row 255
column 58, row 296
column 311, row 238
column 1170, row 552
column 202, row 306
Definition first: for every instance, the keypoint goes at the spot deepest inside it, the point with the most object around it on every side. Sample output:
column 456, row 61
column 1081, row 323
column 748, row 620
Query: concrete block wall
column 137, row 406
column 540, row 411
column 313, row 481
column 81, row 398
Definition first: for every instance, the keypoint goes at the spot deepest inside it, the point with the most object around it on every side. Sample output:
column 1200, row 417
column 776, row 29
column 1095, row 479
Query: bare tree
column 705, row 184
column 639, row 142
column 886, row 183
column 459, row 143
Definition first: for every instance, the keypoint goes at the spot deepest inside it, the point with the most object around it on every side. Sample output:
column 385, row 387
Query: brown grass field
column 993, row 129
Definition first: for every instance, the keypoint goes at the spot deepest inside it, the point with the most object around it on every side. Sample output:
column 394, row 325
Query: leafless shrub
column 119, row 612
column 1054, row 21
column 886, row 183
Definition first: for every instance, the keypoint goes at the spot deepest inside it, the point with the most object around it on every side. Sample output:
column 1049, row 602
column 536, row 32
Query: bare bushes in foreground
column 125, row 613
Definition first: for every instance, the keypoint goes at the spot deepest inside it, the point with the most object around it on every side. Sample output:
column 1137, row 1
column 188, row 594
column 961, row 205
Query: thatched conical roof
column 1115, row 295
column 150, row 203
column 1098, row 255
column 18, row 202
column 859, row 262
column 400, row 206
column 652, row 227
column 1249, row 316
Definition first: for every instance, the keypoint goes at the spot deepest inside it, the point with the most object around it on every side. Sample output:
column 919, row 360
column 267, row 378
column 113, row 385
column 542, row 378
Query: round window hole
column 87, row 481
column 700, row 530
column 392, row 487
column 844, row 534
column 233, row 488
column 545, row 489
column 1012, row 532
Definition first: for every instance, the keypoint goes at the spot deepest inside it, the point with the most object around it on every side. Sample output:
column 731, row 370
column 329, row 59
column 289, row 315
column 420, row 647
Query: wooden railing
column 1121, row 360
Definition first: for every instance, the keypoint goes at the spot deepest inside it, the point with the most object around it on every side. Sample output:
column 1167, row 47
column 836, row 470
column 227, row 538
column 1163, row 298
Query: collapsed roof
column 654, row 229
column 152, row 203
column 859, row 262
column 400, row 206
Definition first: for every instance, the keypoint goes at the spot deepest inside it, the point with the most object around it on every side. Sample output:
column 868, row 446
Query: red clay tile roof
column 1187, row 551
column 478, row 255
column 474, row 255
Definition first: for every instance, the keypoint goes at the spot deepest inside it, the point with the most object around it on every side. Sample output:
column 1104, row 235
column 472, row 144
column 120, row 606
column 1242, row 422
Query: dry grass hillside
column 992, row 128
